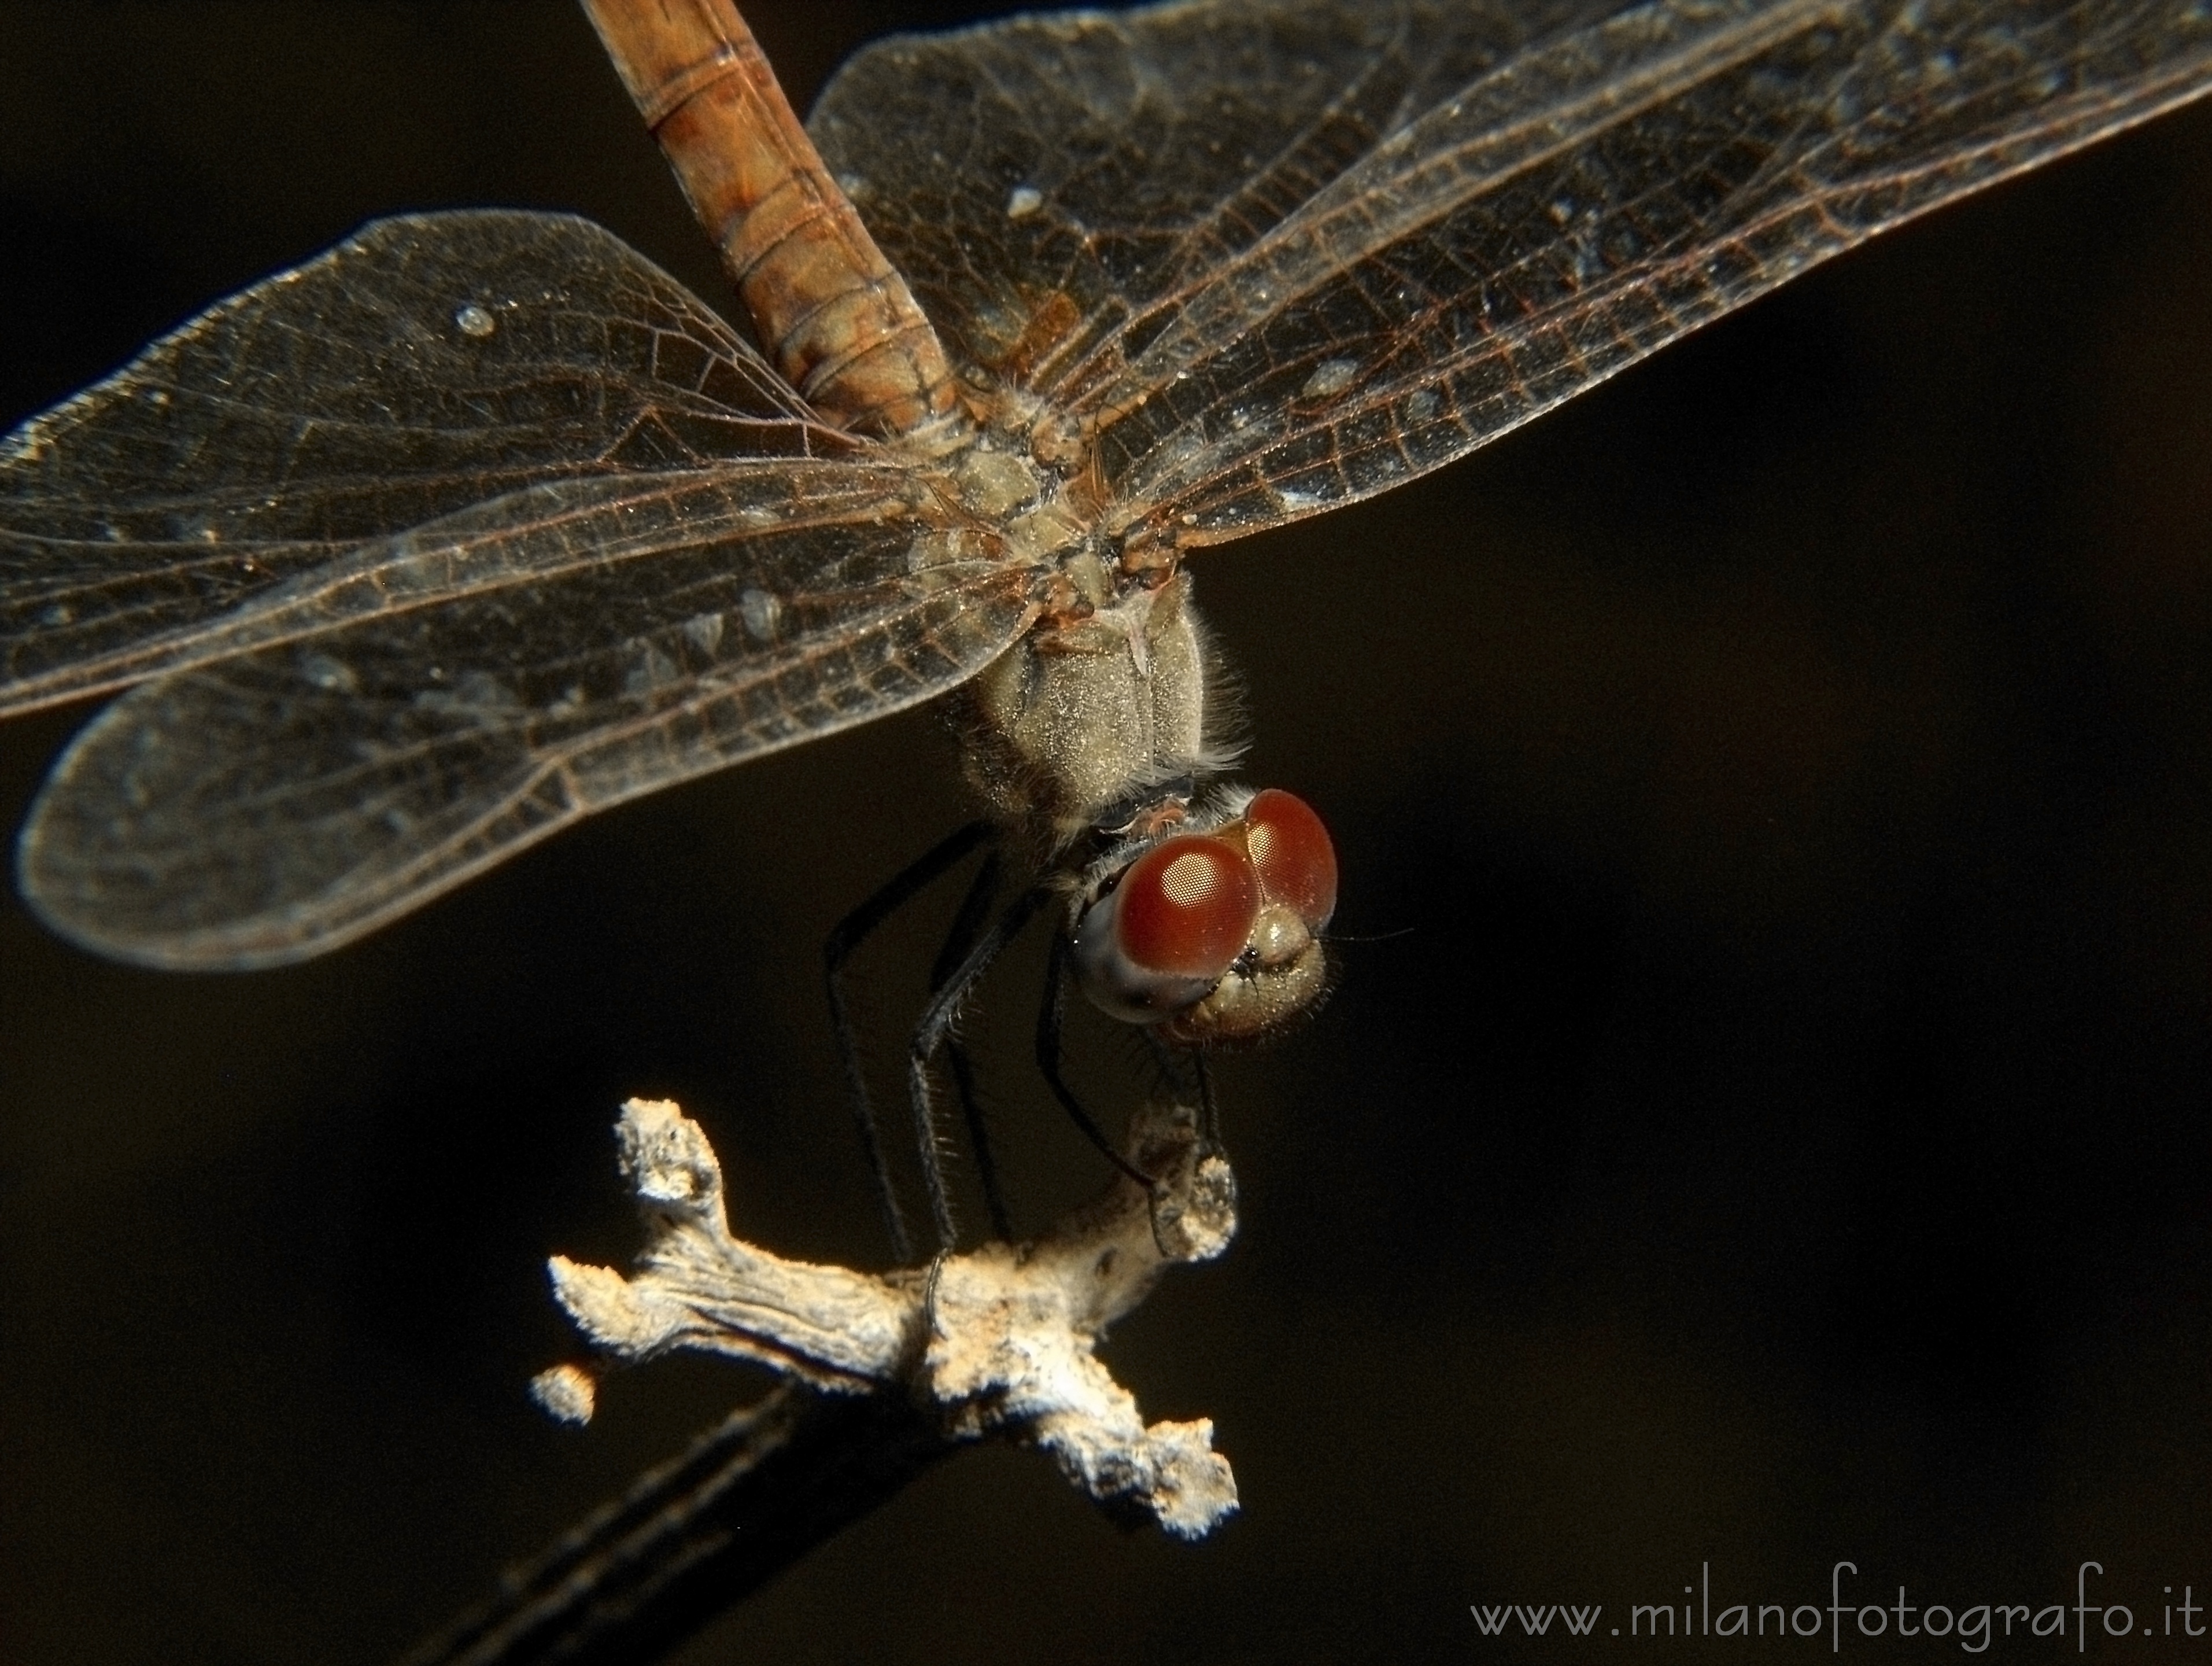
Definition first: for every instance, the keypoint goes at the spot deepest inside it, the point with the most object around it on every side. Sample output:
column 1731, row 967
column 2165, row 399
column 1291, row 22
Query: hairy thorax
column 1106, row 701
column 1075, row 723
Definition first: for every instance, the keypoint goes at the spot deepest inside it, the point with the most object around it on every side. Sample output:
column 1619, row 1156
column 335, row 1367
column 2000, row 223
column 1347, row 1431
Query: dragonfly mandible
column 480, row 523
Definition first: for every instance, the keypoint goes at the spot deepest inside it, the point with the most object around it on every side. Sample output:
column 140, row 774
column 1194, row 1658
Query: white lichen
column 999, row 1341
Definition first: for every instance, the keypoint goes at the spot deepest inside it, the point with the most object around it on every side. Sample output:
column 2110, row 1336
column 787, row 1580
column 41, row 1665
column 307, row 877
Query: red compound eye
column 1187, row 906
column 1291, row 850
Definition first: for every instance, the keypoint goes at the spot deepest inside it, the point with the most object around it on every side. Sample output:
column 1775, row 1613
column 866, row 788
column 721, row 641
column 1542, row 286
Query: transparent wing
column 1390, row 271
column 474, row 525
column 428, row 363
column 1041, row 181
column 593, row 640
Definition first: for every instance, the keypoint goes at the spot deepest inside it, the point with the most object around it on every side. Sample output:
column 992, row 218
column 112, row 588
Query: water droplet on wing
column 1330, row 378
column 762, row 613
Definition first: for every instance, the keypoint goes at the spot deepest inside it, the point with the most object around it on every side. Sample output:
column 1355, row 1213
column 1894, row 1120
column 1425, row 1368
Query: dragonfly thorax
column 1076, row 720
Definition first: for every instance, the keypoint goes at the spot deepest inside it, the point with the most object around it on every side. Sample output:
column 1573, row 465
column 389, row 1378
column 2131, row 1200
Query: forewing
column 428, row 363
column 1577, row 203
column 1041, row 181
column 619, row 636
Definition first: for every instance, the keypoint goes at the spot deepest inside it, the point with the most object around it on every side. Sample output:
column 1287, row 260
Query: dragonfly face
column 1209, row 925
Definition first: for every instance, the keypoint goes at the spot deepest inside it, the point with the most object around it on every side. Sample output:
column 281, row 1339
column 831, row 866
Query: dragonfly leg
column 851, row 932
column 936, row 1025
column 1184, row 1068
column 1209, row 1109
column 967, row 927
column 1049, row 1016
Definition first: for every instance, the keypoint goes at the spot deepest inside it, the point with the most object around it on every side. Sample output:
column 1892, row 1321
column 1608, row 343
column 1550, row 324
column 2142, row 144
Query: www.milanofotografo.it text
column 1851, row 1614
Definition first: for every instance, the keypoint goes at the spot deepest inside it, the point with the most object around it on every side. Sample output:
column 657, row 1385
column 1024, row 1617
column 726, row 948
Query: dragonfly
column 479, row 523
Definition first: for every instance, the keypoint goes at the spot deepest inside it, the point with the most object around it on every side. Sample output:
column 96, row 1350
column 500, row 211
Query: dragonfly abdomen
column 831, row 312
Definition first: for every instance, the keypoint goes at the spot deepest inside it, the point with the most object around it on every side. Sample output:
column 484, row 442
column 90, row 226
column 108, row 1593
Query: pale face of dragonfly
column 1721, row 717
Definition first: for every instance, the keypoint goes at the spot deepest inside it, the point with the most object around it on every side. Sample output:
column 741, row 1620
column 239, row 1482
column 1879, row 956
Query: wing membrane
column 1585, row 196
column 280, row 802
column 428, row 363
column 1083, row 165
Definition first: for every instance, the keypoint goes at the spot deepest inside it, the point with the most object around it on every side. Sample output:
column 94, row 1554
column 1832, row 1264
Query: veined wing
column 426, row 364
column 1041, row 181
column 610, row 637
column 1580, row 201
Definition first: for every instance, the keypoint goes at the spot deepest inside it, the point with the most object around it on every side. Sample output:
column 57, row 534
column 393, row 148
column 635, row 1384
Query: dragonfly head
column 1212, row 932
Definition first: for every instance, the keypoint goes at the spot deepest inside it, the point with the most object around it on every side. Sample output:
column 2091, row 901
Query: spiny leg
column 1173, row 1063
column 929, row 1035
column 851, row 932
column 1209, row 1109
column 1049, row 1015
column 1184, row 1069
column 966, row 925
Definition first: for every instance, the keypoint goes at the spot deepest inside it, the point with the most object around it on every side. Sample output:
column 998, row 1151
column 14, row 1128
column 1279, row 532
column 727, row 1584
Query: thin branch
column 752, row 1496
column 886, row 1375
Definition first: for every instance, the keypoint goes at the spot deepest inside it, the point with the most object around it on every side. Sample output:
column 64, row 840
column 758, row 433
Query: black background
column 1775, row 1133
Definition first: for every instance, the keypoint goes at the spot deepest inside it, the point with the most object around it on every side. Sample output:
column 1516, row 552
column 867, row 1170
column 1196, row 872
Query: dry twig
column 885, row 1375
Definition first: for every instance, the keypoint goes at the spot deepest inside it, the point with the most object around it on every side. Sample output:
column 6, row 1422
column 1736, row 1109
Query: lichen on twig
column 999, row 1341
